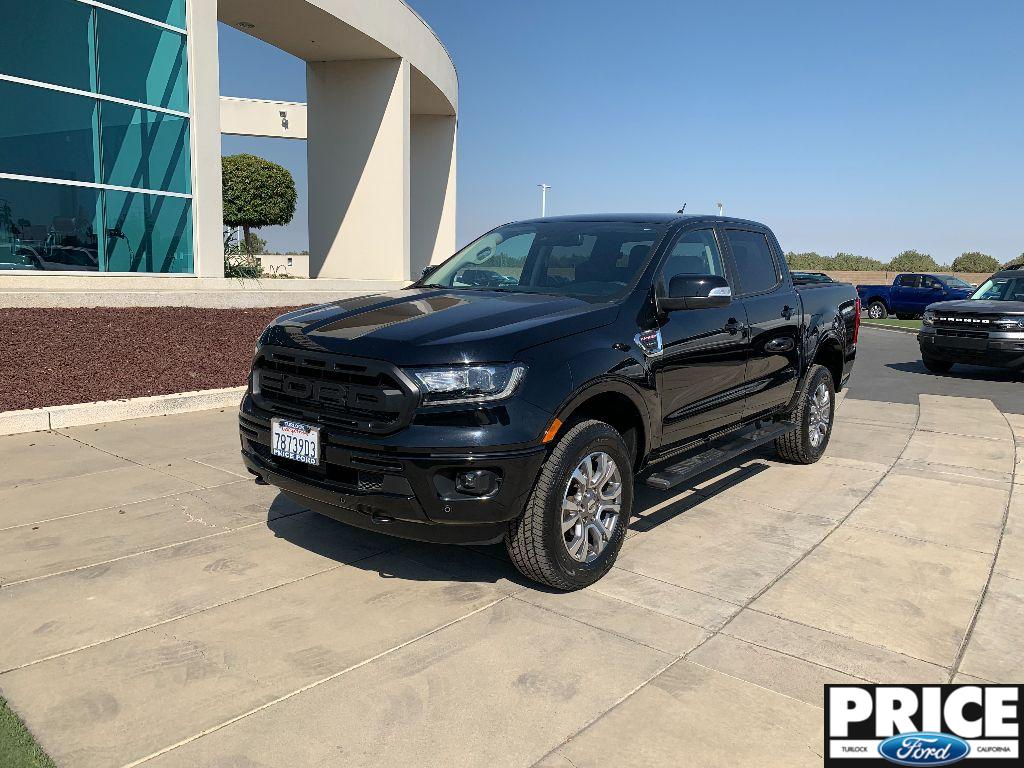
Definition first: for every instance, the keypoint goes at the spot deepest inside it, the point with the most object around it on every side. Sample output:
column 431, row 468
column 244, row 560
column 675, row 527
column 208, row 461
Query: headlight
column 467, row 383
column 928, row 318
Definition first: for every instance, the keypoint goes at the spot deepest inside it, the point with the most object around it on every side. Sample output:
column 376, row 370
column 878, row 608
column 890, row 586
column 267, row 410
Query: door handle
column 733, row 326
column 787, row 311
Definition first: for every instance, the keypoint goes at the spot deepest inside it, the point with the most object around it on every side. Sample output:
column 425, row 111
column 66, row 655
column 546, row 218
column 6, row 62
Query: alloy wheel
column 820, row 415
column 591, row 506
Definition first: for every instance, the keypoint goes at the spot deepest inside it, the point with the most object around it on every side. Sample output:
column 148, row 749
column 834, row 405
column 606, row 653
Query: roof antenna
column 681, row 210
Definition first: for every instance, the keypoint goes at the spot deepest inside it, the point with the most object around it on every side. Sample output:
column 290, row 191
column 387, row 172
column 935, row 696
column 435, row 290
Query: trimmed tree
column 853, row 263
column 913, row 261
column 972, row 261
column 257, row 193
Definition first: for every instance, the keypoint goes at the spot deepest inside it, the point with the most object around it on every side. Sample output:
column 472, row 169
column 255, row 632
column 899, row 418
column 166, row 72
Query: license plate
column 296, row 441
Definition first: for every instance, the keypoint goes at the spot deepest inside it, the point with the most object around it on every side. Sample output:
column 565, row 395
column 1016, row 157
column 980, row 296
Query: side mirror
column 696, row 292
column 429, row 268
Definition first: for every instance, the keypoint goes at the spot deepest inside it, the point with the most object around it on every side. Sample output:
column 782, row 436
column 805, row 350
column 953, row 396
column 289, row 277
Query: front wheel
column 877, row 311
column 815, row 408
column 576, row 518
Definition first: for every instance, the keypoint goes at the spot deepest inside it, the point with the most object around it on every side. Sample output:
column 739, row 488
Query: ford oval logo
column 924, row 749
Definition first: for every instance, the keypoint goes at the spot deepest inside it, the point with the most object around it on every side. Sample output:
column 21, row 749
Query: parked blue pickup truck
column 909, row 294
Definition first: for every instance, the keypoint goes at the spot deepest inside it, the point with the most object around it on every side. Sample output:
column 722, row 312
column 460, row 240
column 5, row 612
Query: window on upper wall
column 148, row 233
column 47, row 133
column 141, row 62
column 755, row 265
column 49, row 41
column 49, row 226
column 145, row 149
column 168, row 11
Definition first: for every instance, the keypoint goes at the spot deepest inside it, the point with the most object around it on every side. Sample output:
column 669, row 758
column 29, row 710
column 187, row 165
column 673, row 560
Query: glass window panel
column 48, row 40
column 754, row 261
column 145, row 149
column 168, row 11
column 48, row 226
column 47, row 133
column 140, row 62
column 148, row 233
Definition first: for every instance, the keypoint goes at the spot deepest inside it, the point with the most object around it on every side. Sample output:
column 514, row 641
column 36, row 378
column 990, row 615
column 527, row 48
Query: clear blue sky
column 869, row 127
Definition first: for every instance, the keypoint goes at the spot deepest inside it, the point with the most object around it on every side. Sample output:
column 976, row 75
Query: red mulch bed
column 61, row 356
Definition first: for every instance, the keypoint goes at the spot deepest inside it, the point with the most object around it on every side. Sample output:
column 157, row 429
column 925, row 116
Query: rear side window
column 909, row 281
column 754, row 261
column 931, row 282
column 694, row 253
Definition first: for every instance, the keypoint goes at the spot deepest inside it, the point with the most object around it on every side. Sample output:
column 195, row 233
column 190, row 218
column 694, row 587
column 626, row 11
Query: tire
column 536, row 542
column 799, row 445
column 935, row 365
column 877, row 311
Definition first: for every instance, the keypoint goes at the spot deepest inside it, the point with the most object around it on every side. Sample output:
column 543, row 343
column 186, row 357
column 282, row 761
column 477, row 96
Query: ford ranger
column 518, row 389
column 909, row 294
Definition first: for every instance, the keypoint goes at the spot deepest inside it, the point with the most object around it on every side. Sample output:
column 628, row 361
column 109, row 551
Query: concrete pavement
column 159, row 608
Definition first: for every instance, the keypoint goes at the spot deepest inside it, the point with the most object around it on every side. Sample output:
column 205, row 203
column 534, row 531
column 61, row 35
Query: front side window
column 956, row 282
column 931, row 283
column 694, row 253
column 754, row 261
column 1001, row 289
column 598, row 259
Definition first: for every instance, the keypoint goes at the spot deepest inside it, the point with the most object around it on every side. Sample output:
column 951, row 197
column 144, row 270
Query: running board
column 719, row 453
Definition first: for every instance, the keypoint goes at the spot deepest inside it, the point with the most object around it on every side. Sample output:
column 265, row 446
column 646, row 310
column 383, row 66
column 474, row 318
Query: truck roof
column 645, row 218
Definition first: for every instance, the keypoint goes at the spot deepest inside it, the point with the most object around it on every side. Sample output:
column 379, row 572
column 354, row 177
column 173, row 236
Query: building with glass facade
column 110, row 132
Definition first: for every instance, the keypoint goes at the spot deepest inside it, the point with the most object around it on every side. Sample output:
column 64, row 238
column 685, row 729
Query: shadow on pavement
column 960, row 371
column 394, row 558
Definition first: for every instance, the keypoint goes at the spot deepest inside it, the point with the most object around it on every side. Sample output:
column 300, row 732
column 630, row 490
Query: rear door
column 773, row 314
column 700, row 372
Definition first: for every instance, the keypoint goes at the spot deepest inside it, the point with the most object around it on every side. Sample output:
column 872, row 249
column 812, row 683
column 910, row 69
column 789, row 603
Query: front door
column 773, row 313
column 700, row 373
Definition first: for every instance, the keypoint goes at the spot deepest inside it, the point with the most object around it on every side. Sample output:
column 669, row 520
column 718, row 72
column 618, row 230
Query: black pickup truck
column 515, row 391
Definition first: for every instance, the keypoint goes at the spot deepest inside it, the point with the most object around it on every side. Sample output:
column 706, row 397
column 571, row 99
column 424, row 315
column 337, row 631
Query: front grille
column 964, row 325
column 957, row 333
column 351, row 393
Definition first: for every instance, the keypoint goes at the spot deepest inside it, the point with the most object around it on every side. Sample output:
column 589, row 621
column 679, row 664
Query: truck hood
column 980, row 307
column 421, row 326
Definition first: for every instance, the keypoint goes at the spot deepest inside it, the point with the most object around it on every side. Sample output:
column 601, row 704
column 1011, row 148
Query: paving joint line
column 316, row 683
column 965, row 642
column 6, row 585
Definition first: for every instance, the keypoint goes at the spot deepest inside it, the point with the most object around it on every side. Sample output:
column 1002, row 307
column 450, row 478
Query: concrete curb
column 884, row 327
column 58, row 416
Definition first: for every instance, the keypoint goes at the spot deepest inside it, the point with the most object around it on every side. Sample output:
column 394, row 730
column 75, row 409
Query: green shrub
column 972, row 261
column 913, row 261
column 852, row 262
column 1014, row 262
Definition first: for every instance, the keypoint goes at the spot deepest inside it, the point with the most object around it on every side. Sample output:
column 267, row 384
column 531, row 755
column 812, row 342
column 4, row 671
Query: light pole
column 720, row 207
column 544, row 199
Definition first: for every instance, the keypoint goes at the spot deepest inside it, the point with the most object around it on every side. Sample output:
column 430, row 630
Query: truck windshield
column 956, row 282
column 597, row 259
column 1001, row 289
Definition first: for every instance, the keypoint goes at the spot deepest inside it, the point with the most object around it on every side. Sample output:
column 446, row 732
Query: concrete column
column 433, row 190
column 358, row 151
column 204, row 92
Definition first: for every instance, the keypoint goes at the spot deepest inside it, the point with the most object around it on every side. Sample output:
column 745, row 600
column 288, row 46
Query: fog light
column 479, row 482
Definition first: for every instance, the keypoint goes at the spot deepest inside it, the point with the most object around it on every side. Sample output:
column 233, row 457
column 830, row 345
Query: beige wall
column 258, row 117
column 433, row 190
column 886, row 278
column 277, row 263
column 204, row 81
column 358, row 154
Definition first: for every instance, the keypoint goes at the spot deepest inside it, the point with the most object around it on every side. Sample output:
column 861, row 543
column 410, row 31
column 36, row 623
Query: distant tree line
column 907, row 261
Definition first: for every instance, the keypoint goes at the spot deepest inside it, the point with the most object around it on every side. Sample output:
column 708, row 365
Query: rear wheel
column 816, row 405
column 576, row 518
column 935, row 365
column 877, row 311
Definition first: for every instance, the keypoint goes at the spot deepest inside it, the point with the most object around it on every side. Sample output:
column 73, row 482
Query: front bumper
column 999, row 350
column 394, row 491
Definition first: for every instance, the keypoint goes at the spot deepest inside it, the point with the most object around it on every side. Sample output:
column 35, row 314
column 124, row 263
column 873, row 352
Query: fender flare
column 606, row 385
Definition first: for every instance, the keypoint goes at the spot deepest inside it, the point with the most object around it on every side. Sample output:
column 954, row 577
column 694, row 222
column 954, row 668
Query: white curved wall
column 380, row 125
